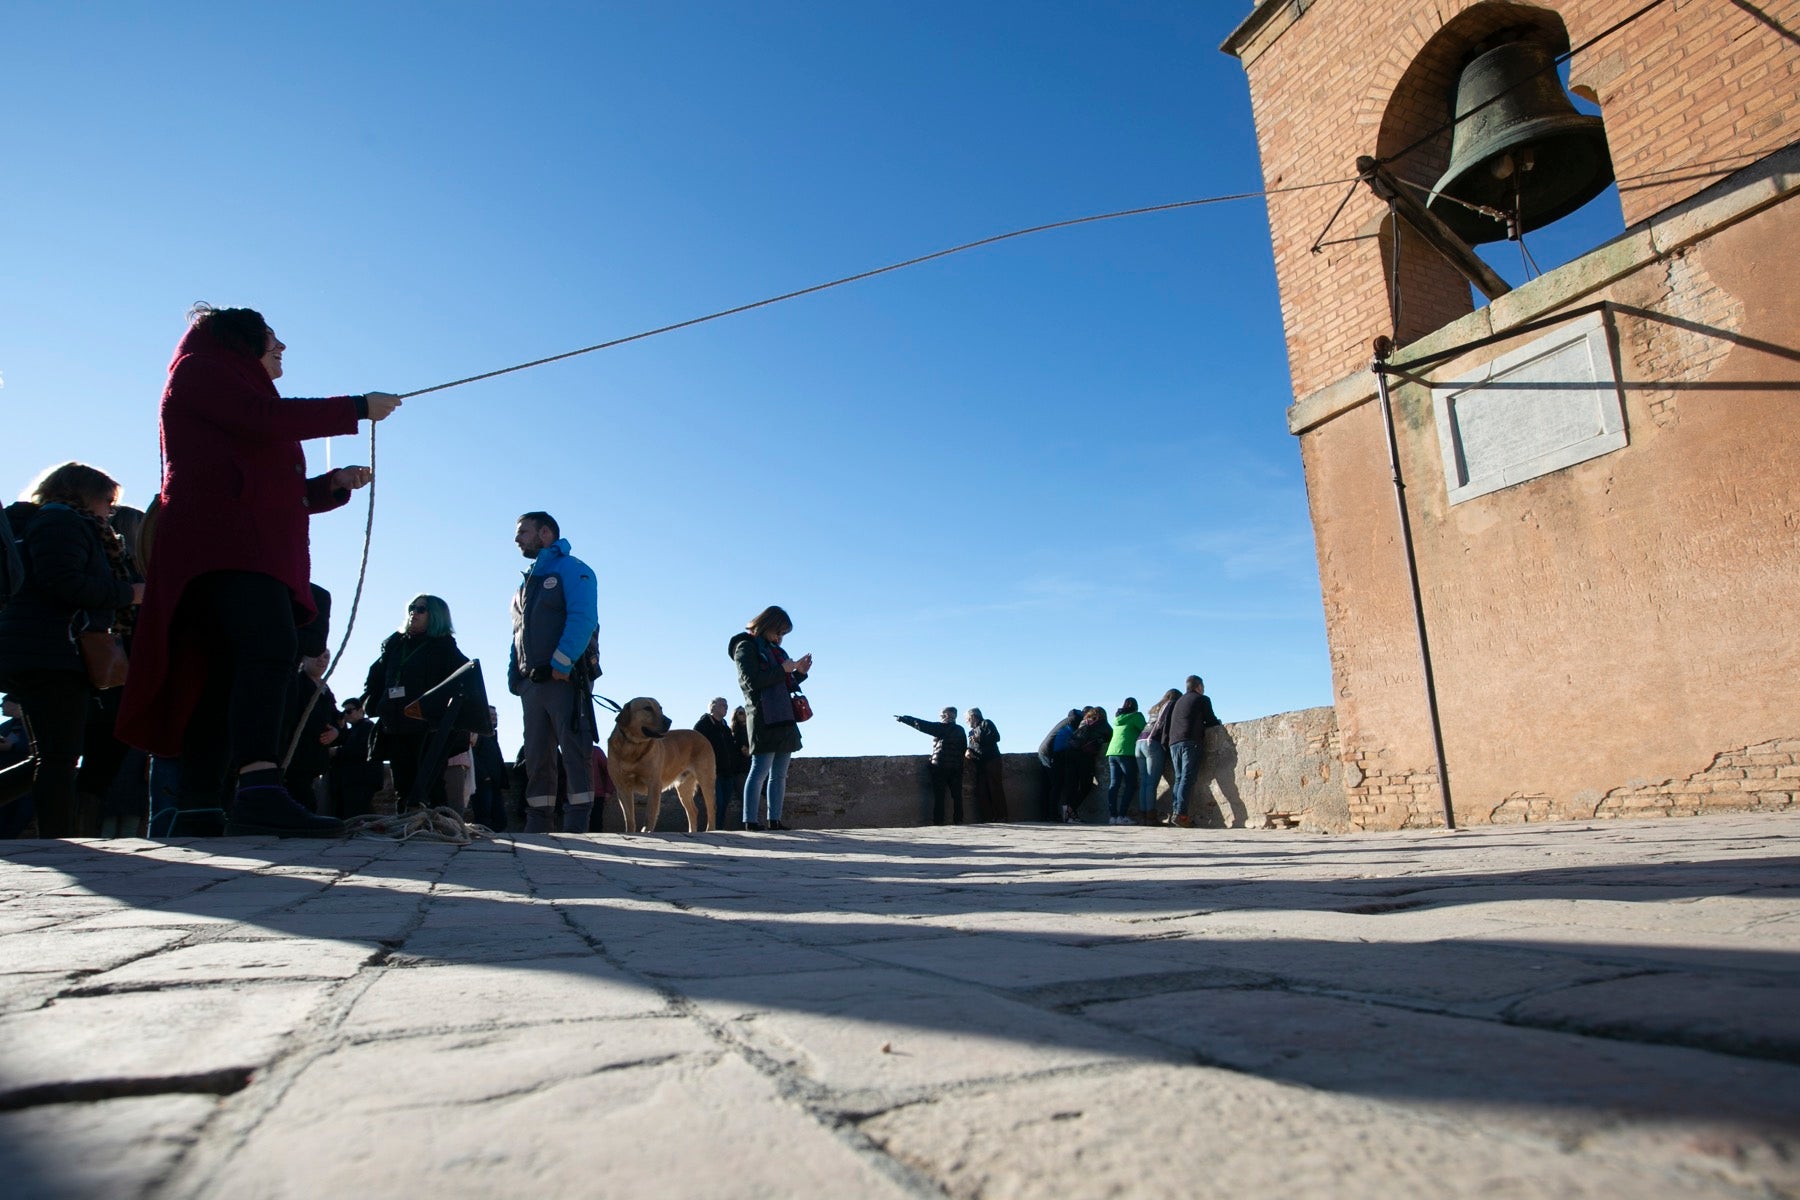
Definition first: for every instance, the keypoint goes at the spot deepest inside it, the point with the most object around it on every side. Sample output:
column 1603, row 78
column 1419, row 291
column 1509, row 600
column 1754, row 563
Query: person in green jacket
column 1121, row 761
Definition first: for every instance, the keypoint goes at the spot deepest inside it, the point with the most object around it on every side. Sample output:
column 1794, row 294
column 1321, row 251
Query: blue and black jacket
column 556, row 615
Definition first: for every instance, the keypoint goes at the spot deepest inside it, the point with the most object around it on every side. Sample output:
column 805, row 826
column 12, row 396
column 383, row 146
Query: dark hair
column 239, row 329
column 1194, row 681
column 773, row 619
column 1130, row 705
column 543, row 520
column 74, row 484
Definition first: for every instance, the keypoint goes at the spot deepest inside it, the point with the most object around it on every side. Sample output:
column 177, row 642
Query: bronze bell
column 1529, row 153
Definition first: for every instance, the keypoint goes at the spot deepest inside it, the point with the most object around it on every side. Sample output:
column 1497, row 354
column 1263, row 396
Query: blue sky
column 1047, row 473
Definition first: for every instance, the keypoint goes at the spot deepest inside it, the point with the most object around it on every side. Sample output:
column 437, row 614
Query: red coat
column 235, row 497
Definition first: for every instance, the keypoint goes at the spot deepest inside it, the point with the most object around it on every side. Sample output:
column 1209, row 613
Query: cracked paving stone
column 1194, row 1134
column 100, row 1150
column 62, row 950
column 1646, row 1102
column 876, row 1031
column 183, row 1032
column 220, row 962
column 1753, row 1015
column 435, row 997
column 613, row 1108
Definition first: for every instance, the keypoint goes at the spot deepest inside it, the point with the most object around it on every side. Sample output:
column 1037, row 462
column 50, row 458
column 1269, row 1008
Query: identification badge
column 396, row 693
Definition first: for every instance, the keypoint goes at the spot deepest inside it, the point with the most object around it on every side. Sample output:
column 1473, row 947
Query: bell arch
column 1425, row 291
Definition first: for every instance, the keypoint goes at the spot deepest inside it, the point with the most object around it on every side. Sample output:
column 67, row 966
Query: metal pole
column 1383, row 348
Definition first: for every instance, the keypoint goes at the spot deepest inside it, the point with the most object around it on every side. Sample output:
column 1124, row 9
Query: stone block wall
column 1286, row 763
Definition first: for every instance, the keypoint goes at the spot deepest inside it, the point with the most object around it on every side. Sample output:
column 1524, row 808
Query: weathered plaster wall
column 1617, row 636
column 1608, row 627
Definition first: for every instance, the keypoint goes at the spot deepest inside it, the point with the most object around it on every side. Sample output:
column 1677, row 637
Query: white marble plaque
column 1547, row 405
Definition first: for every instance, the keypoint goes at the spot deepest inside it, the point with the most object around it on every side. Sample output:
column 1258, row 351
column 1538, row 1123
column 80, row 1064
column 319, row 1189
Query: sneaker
column 267, row 810
column 753, row 826
column 1183, row 820
column 777, row 825
column 1068, row 815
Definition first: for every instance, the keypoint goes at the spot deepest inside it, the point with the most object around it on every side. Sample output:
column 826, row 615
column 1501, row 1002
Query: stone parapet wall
column 1286, row 763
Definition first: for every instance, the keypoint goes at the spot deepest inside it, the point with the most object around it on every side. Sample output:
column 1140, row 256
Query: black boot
column 266, row 810
column 537, row 818
column 576, row 817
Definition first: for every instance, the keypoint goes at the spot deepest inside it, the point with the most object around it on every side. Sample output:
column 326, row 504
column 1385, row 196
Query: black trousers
column 244, row 623
column 403, row 752
column 988, row 801
column 946, row 781
column 57, row 705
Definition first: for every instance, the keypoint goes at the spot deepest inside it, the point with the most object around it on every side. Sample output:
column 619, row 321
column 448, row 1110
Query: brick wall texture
column 1689, row 91
column 1612, row 638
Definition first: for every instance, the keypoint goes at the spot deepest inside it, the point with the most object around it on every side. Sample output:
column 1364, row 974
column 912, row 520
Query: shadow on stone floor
column 942, row 940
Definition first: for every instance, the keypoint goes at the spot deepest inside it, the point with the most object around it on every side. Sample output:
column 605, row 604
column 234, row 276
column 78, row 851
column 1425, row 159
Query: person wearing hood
column 768, row 678
column 230, row 568
column 551, row 668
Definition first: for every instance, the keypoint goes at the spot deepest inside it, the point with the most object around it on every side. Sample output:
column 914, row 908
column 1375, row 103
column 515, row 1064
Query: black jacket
column 350, row 765
column 414, row 663
column 1190, row 718
column 766, row 681
column 728, row 756
column 69, row 587
column 984, row 742
column 949, row 743
column 310, row 758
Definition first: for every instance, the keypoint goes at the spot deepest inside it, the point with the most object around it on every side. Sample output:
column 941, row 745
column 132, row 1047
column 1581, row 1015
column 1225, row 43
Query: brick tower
column 1605, row 511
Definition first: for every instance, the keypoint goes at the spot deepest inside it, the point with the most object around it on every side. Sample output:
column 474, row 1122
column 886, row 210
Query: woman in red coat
column 229, row 581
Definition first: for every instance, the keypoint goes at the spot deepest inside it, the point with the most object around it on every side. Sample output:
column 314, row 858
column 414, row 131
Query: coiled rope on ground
column 441, row 824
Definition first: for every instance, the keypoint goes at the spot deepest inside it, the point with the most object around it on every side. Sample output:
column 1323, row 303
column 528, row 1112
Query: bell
column 1529, row 153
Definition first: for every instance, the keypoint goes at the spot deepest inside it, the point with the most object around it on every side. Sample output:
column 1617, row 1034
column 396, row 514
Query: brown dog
column 642, row 755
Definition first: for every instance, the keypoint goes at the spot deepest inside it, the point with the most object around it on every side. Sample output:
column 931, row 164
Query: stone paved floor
column 1006, row 1011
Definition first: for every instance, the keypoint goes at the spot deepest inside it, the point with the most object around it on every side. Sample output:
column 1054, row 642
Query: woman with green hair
column 417, row 658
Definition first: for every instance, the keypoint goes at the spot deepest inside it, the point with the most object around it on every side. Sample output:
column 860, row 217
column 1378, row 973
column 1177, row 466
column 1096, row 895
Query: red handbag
column 802, row 706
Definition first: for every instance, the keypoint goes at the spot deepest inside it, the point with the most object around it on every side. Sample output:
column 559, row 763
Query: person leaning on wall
column 1152, row 751
column 1122, row 763
column 76, row 580
column 987, row 800
column 230, row 566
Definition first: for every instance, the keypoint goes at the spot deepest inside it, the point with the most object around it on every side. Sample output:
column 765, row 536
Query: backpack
column 12, row 566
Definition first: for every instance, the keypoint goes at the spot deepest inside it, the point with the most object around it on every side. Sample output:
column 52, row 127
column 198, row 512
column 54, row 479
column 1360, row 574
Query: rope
column 861, row 275
column 441, row 824
column 362, row 575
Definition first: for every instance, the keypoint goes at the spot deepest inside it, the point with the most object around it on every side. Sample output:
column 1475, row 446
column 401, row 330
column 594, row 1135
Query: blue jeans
column 1187, row 756
column 1150, row 757
column 774, row 769
column 1121, row 783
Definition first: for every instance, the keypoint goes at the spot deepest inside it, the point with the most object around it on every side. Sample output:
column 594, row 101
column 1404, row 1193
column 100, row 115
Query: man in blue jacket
column 551, row 669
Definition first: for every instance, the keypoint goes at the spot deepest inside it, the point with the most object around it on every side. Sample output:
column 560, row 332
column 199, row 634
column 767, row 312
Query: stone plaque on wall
column 1547, row 405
